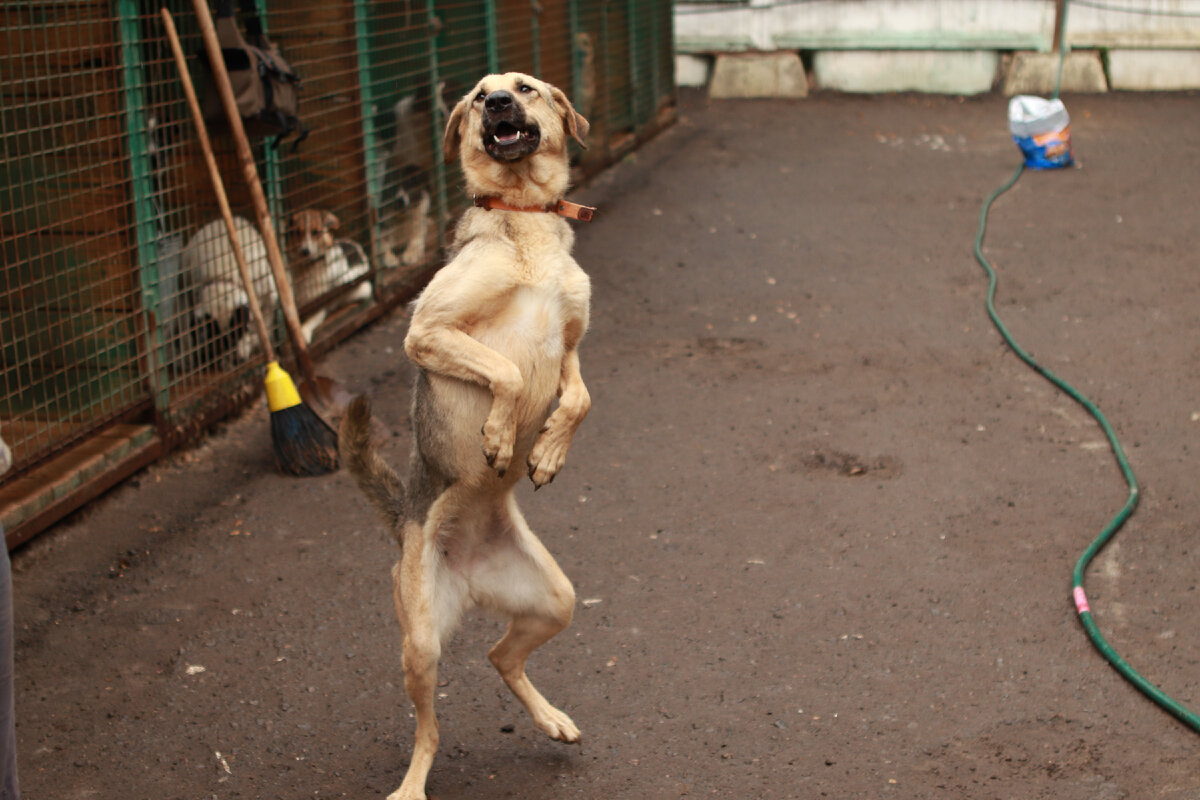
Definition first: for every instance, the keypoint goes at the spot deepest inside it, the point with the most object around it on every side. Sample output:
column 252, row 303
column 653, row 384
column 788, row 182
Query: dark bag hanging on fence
column 263, row 84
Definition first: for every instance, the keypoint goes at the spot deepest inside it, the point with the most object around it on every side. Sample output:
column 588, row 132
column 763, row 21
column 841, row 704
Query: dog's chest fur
column 541, row 286
column 521, row 263
column 528, row 327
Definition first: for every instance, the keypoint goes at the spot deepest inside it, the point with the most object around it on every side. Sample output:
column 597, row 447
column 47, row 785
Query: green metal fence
column 104, row 324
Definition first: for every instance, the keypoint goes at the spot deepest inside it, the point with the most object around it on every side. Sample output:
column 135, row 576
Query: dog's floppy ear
column 452, row 140
column 331, row 221
column 576, row 124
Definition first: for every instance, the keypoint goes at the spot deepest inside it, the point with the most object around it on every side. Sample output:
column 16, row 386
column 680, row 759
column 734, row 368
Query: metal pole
column 1060, row 12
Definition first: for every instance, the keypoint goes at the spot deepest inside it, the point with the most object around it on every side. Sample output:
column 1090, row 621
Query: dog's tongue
column 507, row 137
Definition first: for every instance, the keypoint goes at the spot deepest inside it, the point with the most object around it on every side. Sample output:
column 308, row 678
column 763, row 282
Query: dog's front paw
column 548, row 455
column 498, row 441
column 415, row 252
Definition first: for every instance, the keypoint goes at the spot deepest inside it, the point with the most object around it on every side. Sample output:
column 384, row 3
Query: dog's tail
column 378, row 481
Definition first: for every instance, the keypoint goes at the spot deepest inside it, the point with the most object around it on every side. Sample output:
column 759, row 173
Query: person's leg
column 8, row 733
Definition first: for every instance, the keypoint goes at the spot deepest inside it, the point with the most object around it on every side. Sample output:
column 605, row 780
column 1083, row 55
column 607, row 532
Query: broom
column 323, row 396
column 303, row 443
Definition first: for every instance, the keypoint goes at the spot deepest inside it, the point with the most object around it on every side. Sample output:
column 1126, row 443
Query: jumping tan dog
column 495, row 336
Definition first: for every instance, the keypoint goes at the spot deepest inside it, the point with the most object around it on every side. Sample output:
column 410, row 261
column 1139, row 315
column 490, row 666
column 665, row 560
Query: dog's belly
column 529, row 332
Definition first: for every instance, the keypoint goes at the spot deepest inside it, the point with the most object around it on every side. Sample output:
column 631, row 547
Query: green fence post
column 439, row 165
column 271, row 167
column 606, row 71
column 274, row 188
column 667, row 50
column 142, row 187
column 577, row 65
column 493, row 46
column 655, row 56
column 371, row 158
column 631, row 30
column 535, row 30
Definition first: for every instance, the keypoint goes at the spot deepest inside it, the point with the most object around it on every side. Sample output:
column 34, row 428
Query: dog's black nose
column 498, row 101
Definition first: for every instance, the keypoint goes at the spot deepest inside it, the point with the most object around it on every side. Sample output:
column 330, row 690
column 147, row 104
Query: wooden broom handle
column 218, row 185
column 250, row 172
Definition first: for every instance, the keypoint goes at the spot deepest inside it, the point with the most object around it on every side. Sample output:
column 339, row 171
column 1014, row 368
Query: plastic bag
column 1042, row 129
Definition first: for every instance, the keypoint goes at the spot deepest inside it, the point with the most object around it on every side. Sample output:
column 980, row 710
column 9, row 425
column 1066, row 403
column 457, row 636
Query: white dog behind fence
column 220, row 322
column 343, row 263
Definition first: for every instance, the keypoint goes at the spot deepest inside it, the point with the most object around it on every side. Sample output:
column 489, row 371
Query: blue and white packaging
column 1042, row 129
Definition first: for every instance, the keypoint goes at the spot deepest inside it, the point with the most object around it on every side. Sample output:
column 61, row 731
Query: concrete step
column 747, row 75
column 1037, row 73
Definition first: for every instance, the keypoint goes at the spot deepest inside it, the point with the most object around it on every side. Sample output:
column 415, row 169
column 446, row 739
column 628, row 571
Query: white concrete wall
column 1149, row 44
column 965, row 72
column 932, row 25
column 1167, row 24
column 865, row 25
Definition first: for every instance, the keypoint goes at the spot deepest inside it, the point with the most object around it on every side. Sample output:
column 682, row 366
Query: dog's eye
column 479, row 98
column 524, row 89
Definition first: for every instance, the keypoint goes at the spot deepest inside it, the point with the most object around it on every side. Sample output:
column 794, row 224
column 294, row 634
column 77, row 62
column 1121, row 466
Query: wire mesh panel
column 204, row 351
column 71, row 330
column 357, row 193
column 119, row 296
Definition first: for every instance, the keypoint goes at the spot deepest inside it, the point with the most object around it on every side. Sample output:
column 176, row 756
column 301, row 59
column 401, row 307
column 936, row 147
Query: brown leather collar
column 564, row 208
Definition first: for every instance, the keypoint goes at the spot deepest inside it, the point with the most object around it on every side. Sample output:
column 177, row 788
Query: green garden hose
column 1186, row 716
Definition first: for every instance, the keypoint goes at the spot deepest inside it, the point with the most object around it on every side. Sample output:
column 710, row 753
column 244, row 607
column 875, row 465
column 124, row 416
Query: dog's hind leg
column 417, row 229
column 525, row 634
column 539, row 609
column 310, row 325
column 428, row 607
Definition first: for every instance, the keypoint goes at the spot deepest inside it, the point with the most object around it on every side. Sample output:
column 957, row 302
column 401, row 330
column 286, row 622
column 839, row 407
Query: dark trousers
column 8, row 733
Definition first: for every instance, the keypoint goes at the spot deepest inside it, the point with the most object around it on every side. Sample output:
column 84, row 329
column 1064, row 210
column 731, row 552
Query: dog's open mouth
column 509, row 141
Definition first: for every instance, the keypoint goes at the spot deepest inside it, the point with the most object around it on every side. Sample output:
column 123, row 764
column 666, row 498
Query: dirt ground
column 820, row 521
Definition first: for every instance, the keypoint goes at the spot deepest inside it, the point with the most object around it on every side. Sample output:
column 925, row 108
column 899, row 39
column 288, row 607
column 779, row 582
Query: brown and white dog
column 321, row 263
column 495, row 337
